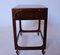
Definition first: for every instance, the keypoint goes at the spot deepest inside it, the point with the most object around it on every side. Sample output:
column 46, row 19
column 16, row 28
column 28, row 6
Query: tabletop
column 30, row 6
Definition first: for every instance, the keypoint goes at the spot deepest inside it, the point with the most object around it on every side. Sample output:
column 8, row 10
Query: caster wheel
column 43, row 52
column 17, row 52
column 38, row 33
column 21, row 33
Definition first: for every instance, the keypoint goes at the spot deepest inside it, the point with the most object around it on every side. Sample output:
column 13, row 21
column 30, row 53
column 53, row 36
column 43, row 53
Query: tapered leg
column 14, row 32
column 44, row 38
column 45, row 33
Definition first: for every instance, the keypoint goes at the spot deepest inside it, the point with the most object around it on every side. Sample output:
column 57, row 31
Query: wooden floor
column 53, row 41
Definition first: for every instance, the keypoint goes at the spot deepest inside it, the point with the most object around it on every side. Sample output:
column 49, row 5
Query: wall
column 6, row 6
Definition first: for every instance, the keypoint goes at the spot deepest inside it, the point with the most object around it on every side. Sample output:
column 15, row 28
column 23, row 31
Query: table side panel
column 30, row 13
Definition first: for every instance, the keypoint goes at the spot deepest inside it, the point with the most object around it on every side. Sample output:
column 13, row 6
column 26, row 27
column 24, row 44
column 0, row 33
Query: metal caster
column 21, row 33
column 17, row 52
column 43, row 52
column 38, row 33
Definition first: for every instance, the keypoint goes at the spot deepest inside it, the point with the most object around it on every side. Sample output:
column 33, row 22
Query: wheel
column 21, row 33
column 38, row 33
column 43, row 52
column 17, row 52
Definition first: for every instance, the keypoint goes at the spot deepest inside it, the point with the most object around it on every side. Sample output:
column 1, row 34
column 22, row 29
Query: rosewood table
column 30, row 12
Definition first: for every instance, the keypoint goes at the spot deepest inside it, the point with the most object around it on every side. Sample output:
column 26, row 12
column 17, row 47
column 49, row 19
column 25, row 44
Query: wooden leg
column 20, row 27
column 44, row 38
column 14, row 32
column 45, row 33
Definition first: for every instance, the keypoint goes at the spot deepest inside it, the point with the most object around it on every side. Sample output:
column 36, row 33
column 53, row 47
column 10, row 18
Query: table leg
column 14, row 31
column 45, row 34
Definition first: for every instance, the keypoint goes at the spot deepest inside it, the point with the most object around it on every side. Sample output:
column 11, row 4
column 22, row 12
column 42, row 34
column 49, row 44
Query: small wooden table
column 30, row 12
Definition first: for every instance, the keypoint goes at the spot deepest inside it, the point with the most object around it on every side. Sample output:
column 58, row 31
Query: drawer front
column 39, row 15
column 23, row 15
column 27, row 14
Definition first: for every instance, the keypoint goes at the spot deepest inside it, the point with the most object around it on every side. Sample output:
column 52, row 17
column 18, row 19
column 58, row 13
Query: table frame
column 14, row 11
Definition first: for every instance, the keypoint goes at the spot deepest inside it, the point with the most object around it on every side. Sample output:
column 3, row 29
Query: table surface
column 30, row 6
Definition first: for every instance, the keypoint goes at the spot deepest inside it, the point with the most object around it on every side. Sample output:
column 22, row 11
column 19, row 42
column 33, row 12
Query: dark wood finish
column 30, row 48
column 30, row 12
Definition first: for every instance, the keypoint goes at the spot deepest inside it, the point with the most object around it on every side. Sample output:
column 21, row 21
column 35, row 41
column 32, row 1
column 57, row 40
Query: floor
column 53, row 41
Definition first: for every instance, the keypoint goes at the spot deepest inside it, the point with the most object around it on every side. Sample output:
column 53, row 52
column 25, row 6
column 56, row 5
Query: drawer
column 29, row 16
column 40, row 15
column 25, row 14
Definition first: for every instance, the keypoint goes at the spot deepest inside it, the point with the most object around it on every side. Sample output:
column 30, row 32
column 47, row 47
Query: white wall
column 6, row 6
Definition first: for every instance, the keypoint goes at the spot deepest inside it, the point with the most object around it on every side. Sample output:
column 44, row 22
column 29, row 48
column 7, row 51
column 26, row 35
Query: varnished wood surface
column 28, row 12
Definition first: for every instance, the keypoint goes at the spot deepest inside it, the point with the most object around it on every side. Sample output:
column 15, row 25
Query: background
column 6, row 6
column 6, row 33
